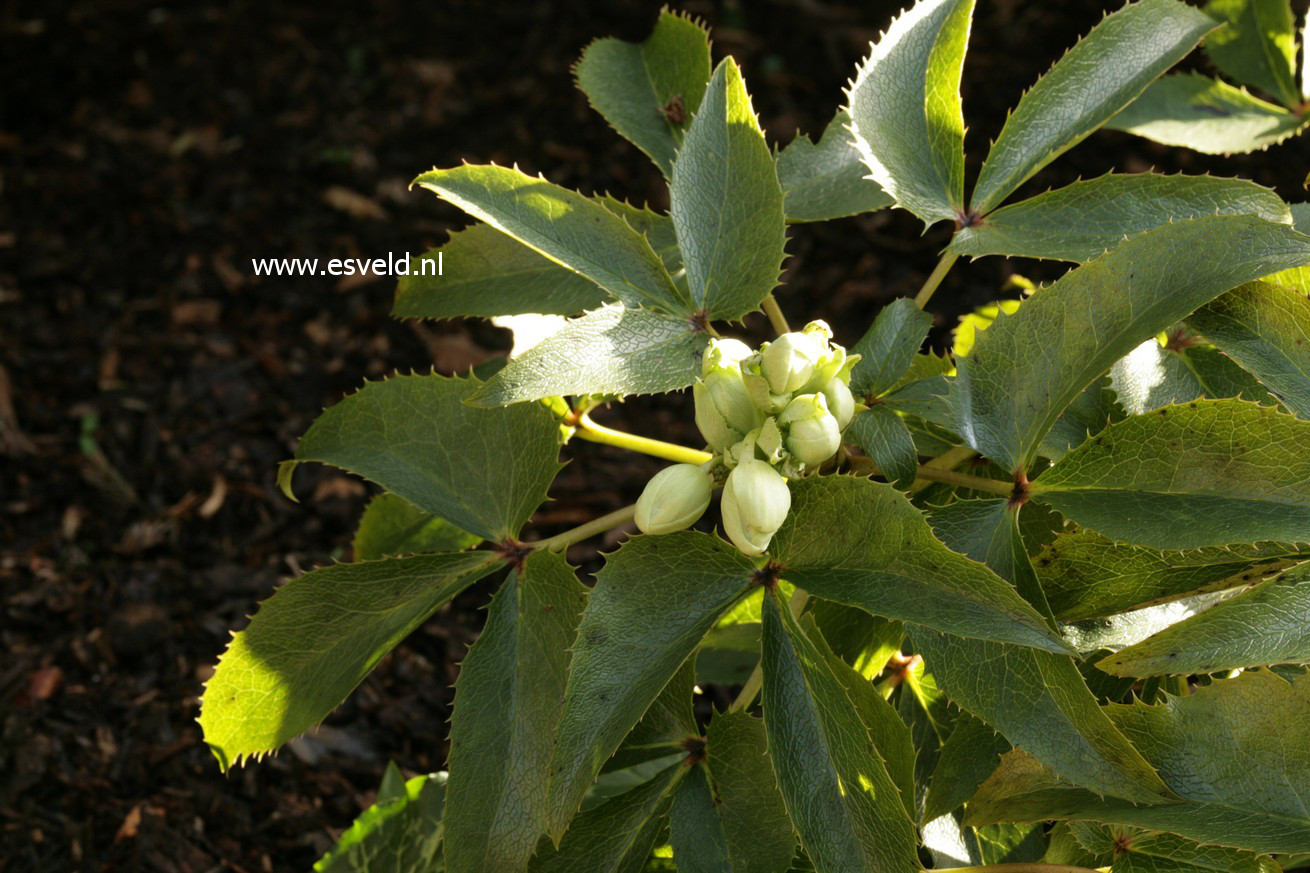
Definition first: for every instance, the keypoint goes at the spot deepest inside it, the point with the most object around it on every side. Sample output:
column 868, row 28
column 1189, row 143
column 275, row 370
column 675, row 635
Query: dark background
column 149, row 383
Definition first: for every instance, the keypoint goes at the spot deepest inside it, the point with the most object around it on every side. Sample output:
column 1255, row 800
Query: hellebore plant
column 1042, row 604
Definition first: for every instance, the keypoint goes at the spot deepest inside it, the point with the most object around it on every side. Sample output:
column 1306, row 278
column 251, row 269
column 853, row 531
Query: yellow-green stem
column 947, row 460
column 589, row 430
column 560, row 542
column 753, row 682
column 930, row 473
column 935, row 278
column 776, row 318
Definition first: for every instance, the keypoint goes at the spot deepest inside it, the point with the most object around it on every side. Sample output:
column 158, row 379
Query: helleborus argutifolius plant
column 1038, row 605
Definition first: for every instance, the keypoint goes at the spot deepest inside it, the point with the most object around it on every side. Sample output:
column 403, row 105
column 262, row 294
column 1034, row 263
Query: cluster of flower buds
column 768, row 416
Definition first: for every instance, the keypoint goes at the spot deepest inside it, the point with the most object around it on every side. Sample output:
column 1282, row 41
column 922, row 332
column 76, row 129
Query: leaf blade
column 826, row 180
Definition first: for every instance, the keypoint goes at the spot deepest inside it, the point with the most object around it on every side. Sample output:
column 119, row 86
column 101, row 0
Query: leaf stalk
column 589, row 430
column 562, row 541
column 776, row 317
column 935, row 278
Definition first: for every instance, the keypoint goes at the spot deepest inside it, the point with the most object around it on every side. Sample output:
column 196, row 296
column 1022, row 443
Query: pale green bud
column 713, row 426
column 788, row 362
column 755, row 503
column 813, row 434
column 673, row 499
column 724, row 353
column 728, row 392
column 841, row 403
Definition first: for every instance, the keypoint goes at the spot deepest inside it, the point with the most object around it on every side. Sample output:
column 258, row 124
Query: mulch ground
column 149, row 383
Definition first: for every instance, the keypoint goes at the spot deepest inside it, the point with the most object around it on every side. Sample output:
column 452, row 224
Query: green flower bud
column 814, row 434
column 724, row 353
column 788, row 362
column 673, row 499
column 763, row 443
column 841, row 403
column 755, row 504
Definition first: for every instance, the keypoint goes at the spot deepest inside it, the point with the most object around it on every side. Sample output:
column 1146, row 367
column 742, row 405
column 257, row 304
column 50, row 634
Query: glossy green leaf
column 1256, row 45
column 726, row 203
column 654, row 599
column 1086, row 219
column 1041, row 703
column 1206, row 115
column 1236, row 750
column 885, row 438
column 617, row 836
column 905, row 108
column 1211, row 473
column 1094, row 637
column 650, row 90
column 486, row 273
column 968, row 757
column 507, row 702
column 400, row 833
column 864, row 544
column 1151, row 376
column 614, row 350
column 844, row 805
column 416, row 437
column 1100, row 75
column 564, row 226
column 1269, row 624
column 1139, row 851
column 315, row 639
column 656, row 227
column 1095, row 406
column 1006, row 397
column 1220, row 376
column 391, row 525
column 699, row 845
column 866, row 642
column 1087, row 575
column 826, row 180
column 1266, row 329
column 889, row 349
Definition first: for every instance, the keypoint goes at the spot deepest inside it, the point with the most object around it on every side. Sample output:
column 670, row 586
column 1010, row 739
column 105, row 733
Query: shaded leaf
column 400, row 833
column 889, row 349
column 826, row 180
column 968, row 757
column 391, row 525
column 1256, row 45
column 1138, row 851
column 885, row 438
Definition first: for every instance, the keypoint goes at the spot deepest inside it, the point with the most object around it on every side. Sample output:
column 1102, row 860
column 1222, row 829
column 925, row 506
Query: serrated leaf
column 826, row 180
column 905, row 108
column 614, row 350
column 507, row 702
column 564, row 226
column 1151, row 376
column 726, row 203
column 864, row 641
column 616, row 836
column 1235, row 750
column 1211, row 473
column 885, row 438
column 398, row 834
column 1040, row 702
column 734, row 821
column 391, row 525
column 987, row 530
column 1139, row 851
column 1093, row 637
column 649, row 90
column 1269, row 624
column 1081, row 221
column 1088, row 414
column 484, row 471
column 1087, row 575
column 1100, row 75
column 840, row 798
column 1027, row 367
column 890, row 348
column 486, row 273
column 864, row 544
column 968, row 757
column 1266, row 329
column 315, row 639
column 1220, row 376
column 654, row 599
column 656, row 227
column 1256, row 45
column 1206, row 115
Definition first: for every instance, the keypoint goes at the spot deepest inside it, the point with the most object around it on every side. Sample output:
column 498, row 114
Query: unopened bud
column 841, row 403
column 673, row 499
column 755, row 503
column 724, row 353
column 788, row 362
column 813, row 434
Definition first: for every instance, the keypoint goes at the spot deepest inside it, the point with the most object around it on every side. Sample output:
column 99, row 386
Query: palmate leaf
column 391, row 525
column 488, row 273
column 614, row 350
column 1087, row 575
column 1027, row 367
column 649, row 91
column 1211, row 473
column 565, row 226
column 315, row 639
column 726, row 203
column 1139, row 851
column 864, row 544
column 1266, row 329
column 507, row 702
column 1207, row 115
column 826, row 180
column 1236, row 750
column 1100, row 75
column 844, row 805
column 1256, row 45
column 1086, row 219
column 905, row 109
column 483, row 471
column 400, row 833
column 654, row 599
column 1269, row 624
column 888, row 349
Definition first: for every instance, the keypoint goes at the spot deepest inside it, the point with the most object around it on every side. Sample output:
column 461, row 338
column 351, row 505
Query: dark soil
column 149, row 383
